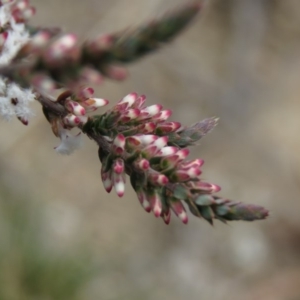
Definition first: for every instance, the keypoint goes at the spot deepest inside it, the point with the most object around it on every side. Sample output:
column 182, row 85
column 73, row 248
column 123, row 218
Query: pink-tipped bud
column 94, row 103
column 85, row 93
column 161, row 142
column 192, row 163
column 129, row 99
column 119, row 144
column 147, row 139
column 147, row 128
column 119, row 183
column 72, row 120
column 24, row 121
column 162, row 116
column 75, row 108
column 150, row 111
column 143, row 200
column 179, row 211
column 139, row 102
column 149, row 151
column 165, row 151
column 155, row 203
column 133, row 143
column 157, row 179
column 166, row 216
column 118, row 166
column 129, row 115
column 206, row 187
column 169, row 161
column 185, row 175
column 168, row 127
column 142, row 164
column 107, row 181
column 183, row 153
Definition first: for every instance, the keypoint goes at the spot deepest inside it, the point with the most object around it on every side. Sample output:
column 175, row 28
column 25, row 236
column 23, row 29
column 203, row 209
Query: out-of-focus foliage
column 29, row 269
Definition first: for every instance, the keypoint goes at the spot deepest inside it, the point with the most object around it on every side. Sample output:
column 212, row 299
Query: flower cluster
column 75, row 108
column 14, row 100
column 139, row 141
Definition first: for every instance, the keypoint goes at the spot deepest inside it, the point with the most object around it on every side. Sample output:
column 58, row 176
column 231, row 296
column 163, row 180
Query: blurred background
column 63, row 237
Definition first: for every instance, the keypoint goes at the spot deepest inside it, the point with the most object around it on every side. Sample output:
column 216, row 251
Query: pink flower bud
column 165, row 151
column 182, row 153
column 129, row 115
column 75, row 108
column 118, row 166
column 94, row 103
column 149, row 151
column 179, row 211
column 185, row 175
column 206, row 187
column 24, row 121
column 85, row 93
column 147, row 127
column 119, row 183
column 147, row 139
column 161, row 142
column 168, row 127
column 119, row 144
column 162, row 116
column 157, row 179
column 72, row 120
column 192, row 163
column 107, row 181
column 155, row 202
column 133, row 143
column 142, row 164
column 150, row 111
column 130, row 99
column 139, row 102
column 143, row 200
column 166, row 216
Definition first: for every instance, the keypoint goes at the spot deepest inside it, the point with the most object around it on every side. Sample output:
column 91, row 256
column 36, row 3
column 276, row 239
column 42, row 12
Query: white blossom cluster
column 14, row 100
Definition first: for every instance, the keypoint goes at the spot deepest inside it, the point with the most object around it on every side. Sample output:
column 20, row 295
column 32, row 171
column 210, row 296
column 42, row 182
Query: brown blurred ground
column 240, row 61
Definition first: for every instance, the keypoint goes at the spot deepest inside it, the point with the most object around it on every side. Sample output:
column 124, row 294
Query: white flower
column 69, row 143
column 14, row 100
